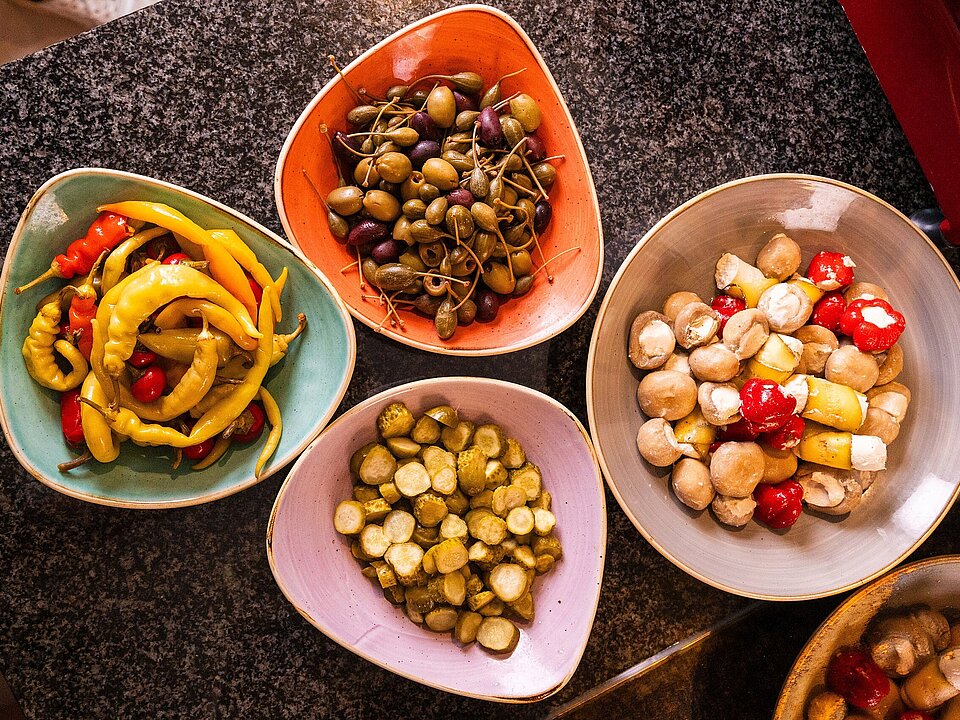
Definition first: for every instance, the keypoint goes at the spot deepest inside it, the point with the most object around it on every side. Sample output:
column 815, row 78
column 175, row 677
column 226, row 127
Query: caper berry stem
column 506, row 101
column 513, row 151
column 533, row 176
column 575, row 248
column 333, row 62
column 315, row 189
column 473, row 287
column 521, row 188
column 348, row 266
column 336, row 161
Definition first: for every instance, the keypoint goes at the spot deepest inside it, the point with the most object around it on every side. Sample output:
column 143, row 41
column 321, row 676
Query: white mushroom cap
column 818, row 344
column 657, row 444
column 679, row 361
column 735, row 512
column 829, row 490
column 677, row 301
column 691, row 483
column 736, row 468
column 786, row 307
column 881, row 424
column 651, row 340
column 848, row 366
column 779, row 258
column 696, row 324
column 949, row 664
column 714, row 363
column 667, row 394
column 864, row 291
column 719, row 402
column 746, row 332
column 891, row 365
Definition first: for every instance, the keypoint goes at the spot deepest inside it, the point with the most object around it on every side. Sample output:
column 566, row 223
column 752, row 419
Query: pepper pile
column 761, row 381
column 160, row 344
column 445, row 199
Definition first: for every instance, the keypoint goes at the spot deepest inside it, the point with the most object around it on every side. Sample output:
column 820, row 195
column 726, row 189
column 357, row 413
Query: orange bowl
column 487, row 41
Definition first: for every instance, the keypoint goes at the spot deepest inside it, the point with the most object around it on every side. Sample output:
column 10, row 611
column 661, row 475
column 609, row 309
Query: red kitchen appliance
column 914, row 49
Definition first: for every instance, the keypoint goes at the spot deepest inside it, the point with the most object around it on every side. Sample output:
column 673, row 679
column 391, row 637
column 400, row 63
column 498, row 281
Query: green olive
column 479, row 183
column 522, row 262
column 346, row 200
column 389, row 187
column 432, row 253
column 441, row 106
column 545, row 173
column 459, row 221
column 404, row 136
column 484, row 216
column 513, row 163
column 498, row 278
column 338, row 226
column 423, row 232
column 441, row 174
column 428, row 192
column 369, row 269
column 401, row 230
column 386, row 147
column 414, row 209
column 381, row 206
column 362, row 114
column 394, row 167
column 436, row 286
column 436, row 211
column 525, row 109
column 467, row 312
column 410, row 188
column 446, row 320
column 466, row 119
column 366, row 174
column 523, row 285
column 412, row 260
column 464, row 268
column 459, row 161
column 483, row 245
column 512, row 130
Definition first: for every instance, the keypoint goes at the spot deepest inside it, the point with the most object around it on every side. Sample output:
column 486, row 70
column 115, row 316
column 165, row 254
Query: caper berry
column 422, row 231
column 346, row 200
column 466, row 312
column 483, row 245
column 397, row 92
column 523, row 180
column 459, row 221
column 419, row 96
column 459, row 161
column 496, row 191
column 523, row 285
column 369, row 269
column 412, row 260
column 381, row 205
column 427, row 304
column 527, row 209
column 338, row 226
column 466, row 119
column 441, row 106
column 414, row 209
column 512, row 130
column 514, row 234
column 545, row 173
column 436, row 211
column 484, row 216
column 401, row 231
column 479, row 183
column 441, row 174
column 394, row 167
column 522, row 262
column 509, row 195
column 468, row 82
column 445, row 320
column 362, row 114
column 394, row 276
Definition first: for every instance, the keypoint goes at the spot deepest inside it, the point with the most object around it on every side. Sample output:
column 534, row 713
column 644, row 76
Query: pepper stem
column 51, row 273
column 76, row 462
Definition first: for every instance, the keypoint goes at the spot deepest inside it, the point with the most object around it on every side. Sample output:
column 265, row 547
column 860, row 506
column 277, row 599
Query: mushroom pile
column 779, row 394
column 907, row 667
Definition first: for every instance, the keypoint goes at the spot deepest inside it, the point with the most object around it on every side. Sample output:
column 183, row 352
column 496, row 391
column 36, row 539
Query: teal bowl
column 308, row 384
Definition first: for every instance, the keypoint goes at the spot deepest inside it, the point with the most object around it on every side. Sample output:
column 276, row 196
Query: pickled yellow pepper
column 38, row 351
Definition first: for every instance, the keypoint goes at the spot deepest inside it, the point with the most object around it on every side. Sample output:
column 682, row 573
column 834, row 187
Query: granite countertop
column 174, row 614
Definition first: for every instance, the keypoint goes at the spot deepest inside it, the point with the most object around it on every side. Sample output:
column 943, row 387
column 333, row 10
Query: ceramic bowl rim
column 844, row 608
column 591, row 363
column 272, row 237
column 590, row 188
column 446, row 381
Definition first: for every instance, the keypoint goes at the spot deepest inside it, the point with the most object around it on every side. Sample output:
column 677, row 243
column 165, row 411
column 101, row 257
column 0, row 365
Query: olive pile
column 448, row 199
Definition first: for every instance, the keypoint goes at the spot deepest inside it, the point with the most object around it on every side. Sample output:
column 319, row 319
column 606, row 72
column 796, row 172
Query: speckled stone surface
column 113, row 613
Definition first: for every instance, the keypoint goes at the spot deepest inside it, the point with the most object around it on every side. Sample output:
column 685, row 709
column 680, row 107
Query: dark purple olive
column 490, row 132
column 348, row 158
column 367, row 231
column 387, row 251
column 488, row 305
column 423, row 151
column 460, row 196
column 541, row 215
column 536, row 150
column 464, row 102
column 424, row 125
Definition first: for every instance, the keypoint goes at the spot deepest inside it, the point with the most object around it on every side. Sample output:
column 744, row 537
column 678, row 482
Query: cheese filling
column 782, row 304
column 878, row 316
column 867, row 453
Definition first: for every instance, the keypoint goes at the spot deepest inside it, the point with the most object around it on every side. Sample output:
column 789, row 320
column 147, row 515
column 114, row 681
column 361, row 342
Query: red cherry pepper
column 873, row 324
column 788, row 435
column 914, row 715
column 854, row 676
column 200, row 450
column 255, row 287
column 765, row 404
column 151, row 384
column 726, row 308
column 740, row 431
column 82, row 312
column 256, row 419
column 70, row 416
column 779, row 506
column 176, row 259
column 831, row 270
column 828, row 310
column 104, row 233
column 142, row 358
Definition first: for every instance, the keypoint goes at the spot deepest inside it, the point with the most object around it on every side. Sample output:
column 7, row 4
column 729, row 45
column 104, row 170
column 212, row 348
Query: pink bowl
column 315, row 570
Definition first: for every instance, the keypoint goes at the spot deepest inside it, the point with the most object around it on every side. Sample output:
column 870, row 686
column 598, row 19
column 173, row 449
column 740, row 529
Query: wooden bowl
column 818, row 556
column 314, row 568
column 307, row 385
column 487, row 41
column 934, row 582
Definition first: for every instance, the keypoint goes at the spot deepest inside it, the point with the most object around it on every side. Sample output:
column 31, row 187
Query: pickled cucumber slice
column 350, row 517
column 378, row 466
column 395, row 420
